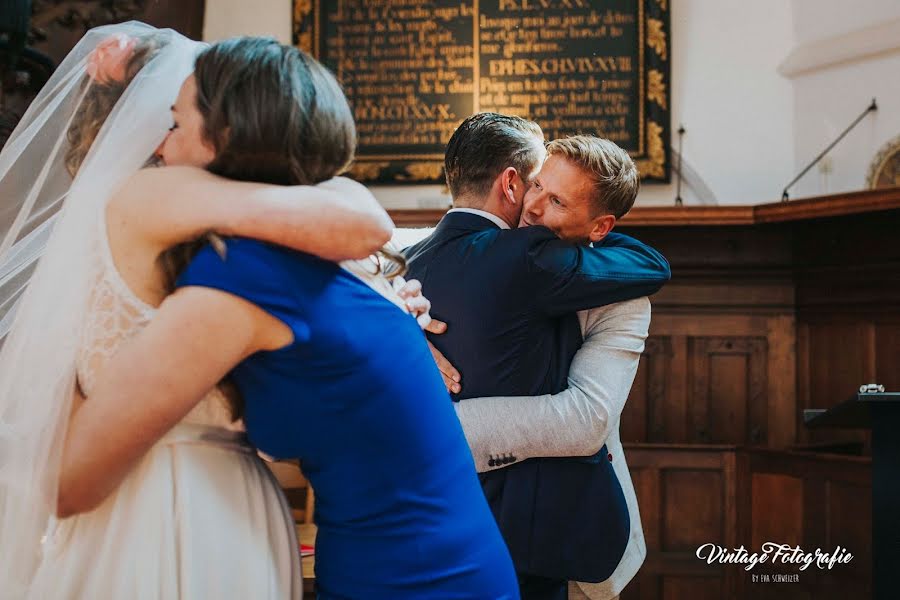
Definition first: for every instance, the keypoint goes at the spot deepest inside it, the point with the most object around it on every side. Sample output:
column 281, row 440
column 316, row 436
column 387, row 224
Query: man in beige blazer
column 579, row 420
column 575, row 422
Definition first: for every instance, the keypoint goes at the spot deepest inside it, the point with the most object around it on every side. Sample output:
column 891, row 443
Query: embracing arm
column 108, row 434
column 576, row 421
column 572, row 277
column 336, row 220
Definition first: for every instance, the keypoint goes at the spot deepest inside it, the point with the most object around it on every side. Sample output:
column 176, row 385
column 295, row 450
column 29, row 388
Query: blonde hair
column 100, row 99
column 613, row 173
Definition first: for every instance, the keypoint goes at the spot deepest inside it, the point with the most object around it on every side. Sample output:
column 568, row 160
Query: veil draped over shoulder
column 51, row 233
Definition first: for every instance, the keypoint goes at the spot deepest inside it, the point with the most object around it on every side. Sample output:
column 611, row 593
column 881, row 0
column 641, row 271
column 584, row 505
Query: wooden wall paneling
column 693, row 502
column 693, row 494
column 743, row 508
column 716, row 294
column 848, row 518
column 814, row 501
column 726, row 250
column 646, row 584
column 781, row 377
column 724, row 378
column 777, row 509
column 711, row 324
column 644, row 411
column 687, row 497
column 848, row 302
column 847, row 255
column 647, row 218
column 729, row 392
column 655, row 410
column 675, row 424
column 803, row 382
column 635, row 425
column 838, row 356
column 887, row 352
column 815, row 513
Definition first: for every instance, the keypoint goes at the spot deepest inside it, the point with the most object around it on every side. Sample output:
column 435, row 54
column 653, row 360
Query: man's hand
column 418, row 306
column 448, row 372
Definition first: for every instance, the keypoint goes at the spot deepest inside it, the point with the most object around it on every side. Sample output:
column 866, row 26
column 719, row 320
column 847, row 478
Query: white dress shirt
column 482, row 213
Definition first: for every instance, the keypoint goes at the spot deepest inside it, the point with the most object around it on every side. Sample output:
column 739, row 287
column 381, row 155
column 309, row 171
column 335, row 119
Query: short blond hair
column 613, row 173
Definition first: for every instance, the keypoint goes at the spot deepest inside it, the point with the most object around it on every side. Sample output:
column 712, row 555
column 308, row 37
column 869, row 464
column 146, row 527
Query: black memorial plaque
column 413, row 70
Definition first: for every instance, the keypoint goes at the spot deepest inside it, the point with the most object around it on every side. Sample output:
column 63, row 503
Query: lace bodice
column 114, row 315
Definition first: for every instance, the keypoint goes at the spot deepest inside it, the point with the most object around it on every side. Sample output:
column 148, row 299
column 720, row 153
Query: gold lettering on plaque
column 399, row 63
column 528, row 68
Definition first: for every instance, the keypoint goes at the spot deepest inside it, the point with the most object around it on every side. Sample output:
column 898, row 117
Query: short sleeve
column 253, row 271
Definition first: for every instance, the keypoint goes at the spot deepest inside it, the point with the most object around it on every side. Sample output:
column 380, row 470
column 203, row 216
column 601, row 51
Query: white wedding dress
column 200, row 516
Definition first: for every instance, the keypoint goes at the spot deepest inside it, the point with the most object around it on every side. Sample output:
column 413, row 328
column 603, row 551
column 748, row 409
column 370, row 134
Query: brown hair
column 615, row 177
column 484, row 145
column 100, row 99
column 273, row 114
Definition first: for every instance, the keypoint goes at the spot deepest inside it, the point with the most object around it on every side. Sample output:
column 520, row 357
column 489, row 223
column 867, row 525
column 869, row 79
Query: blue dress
column 357, row 397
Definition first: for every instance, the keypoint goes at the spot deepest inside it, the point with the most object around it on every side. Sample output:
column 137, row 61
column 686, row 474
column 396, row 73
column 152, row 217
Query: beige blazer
column 577, row 421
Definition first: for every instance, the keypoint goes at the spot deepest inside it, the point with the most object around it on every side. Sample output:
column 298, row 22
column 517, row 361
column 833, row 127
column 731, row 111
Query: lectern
column 880, row 412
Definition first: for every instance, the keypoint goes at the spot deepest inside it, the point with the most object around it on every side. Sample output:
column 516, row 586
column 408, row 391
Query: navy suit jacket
column 509, row 298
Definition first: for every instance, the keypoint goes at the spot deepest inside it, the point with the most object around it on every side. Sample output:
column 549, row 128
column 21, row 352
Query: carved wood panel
column 646, row 407
column 728, row 401
column 687, row 498
column 707, row 389
column 814, row 501
column 785, row 523
column 693, row 494
column 838, row 352
column 887, row 352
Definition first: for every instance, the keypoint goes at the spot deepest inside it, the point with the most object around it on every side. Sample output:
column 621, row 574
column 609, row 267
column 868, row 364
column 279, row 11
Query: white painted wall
column 228, row 18
column 817, row 19
column 829, row 96
column 750, row 129
column 735, row 107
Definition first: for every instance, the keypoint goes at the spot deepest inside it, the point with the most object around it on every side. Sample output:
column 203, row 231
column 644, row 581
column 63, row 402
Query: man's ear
column 509, row 180
column 602, row 226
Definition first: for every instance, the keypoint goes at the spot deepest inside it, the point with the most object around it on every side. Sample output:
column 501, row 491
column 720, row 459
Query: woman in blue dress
column 356, row 396
column 331, row 367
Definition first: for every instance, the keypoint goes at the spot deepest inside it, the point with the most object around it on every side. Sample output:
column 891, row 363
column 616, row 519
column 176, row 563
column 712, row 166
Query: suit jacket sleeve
column 576, row 421
column 568, row 277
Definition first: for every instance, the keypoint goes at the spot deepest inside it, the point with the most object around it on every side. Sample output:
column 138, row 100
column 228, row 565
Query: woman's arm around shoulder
column 336, row 220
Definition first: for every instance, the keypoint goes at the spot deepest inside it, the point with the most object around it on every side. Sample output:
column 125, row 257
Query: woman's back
column 358, row 399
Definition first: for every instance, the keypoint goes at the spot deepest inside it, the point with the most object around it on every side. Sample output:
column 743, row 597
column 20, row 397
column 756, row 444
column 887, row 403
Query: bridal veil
column 49, row 244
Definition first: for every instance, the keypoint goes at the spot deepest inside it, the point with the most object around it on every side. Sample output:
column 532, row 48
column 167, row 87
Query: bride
column 199, row 516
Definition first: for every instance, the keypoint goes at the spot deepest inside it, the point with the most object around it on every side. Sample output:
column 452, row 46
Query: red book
column 307, row 550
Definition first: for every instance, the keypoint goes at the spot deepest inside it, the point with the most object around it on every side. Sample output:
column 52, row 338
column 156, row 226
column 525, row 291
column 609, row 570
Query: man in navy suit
column 510, row 297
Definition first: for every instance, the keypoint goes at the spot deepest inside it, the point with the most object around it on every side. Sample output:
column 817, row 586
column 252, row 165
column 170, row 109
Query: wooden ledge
column 670, row 216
